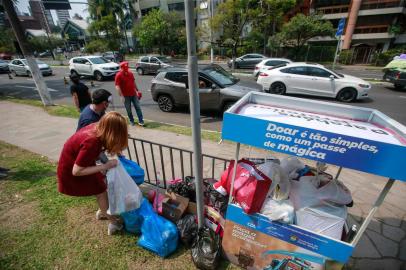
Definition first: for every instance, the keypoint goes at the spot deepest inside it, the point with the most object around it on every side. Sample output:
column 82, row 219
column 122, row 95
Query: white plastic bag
column 124, row 194
column 280, row 187
column 279, row 210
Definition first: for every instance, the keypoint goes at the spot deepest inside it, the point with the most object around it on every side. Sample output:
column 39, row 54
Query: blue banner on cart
column 316, row 243
column 385, row 159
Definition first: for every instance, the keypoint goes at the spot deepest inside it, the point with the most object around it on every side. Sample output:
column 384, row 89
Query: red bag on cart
column 250, row 186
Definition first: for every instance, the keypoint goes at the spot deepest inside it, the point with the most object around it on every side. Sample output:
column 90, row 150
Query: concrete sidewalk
column 383, row 246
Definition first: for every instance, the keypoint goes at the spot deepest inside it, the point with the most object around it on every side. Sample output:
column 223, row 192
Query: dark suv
column 397, row 77
column 218, row 89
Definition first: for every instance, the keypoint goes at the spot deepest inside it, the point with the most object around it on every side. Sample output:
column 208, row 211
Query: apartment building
column 63, row 16
column 38, row 12
column 371, row 25
column 142, row 7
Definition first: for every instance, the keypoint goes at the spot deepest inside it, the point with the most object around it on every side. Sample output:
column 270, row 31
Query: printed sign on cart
column 255, row 242
column 344, row 142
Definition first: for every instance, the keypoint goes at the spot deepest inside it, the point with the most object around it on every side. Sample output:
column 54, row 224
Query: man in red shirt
column 126, row 88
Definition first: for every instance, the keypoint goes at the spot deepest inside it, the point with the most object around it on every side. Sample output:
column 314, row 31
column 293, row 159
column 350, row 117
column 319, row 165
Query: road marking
column 34, row 88
column 402, row 96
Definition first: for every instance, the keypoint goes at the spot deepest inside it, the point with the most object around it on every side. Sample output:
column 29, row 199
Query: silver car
column 218, row 89
column 20, row 67
column 151, row 64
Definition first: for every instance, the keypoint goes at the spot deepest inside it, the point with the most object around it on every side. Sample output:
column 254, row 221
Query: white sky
column 76, row 8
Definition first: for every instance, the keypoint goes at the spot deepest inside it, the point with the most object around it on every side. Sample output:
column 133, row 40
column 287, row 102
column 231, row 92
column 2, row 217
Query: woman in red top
column 78, row 174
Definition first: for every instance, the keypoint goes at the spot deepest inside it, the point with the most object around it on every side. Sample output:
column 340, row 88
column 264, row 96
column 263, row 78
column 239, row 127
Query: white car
column 96, row 66
column 20, row 67
column 268, row 64
column 313, row 79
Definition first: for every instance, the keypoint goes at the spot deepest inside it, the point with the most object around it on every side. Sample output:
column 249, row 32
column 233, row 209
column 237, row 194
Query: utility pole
column 194, row 107
column 32, row 64
column 211, row 33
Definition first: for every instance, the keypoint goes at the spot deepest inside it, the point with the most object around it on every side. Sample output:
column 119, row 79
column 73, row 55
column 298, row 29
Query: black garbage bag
column 214, row 198
column 185, row 188
column 206, row 250
column 187, row 228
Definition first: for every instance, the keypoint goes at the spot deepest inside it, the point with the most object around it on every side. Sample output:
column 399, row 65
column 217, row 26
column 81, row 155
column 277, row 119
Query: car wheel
column 277, row 88
column 98, row 76
column 398, row 86
column 29, row 73
column 14, row 73
column 165, row 103
column 140, row 71
column 347, row 95
column 74, row 73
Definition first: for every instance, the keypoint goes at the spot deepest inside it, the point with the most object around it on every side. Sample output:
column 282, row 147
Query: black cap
column 100, row 95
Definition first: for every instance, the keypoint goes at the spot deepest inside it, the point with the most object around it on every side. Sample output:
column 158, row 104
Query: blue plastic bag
column 159, row 235
column 133, row 169
column 133, row 219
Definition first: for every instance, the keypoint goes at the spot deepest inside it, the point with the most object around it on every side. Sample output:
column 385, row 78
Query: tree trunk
column 35, row 72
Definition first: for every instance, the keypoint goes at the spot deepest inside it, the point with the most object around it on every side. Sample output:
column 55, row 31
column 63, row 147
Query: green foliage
column 301, row 28
column 345, row 57
column 41, row 44
column 96, row 45
column 383, row 58
column 165, row 31
column 6, row 40
column 395, row 29
column 107, row 21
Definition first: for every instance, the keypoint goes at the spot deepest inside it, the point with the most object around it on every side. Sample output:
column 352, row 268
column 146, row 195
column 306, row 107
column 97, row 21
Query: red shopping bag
column 250, row 186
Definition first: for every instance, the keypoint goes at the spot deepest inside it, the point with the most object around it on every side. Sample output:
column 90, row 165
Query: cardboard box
column 174, row 206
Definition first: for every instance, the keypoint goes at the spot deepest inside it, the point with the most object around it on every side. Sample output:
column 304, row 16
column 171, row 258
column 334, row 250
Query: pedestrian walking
column 92, row 113
column 127, row 89
column 78, row 174
column 80, row 93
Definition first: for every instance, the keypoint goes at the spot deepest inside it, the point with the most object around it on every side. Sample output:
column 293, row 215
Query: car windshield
column 220, row 75
column 38, row 62
column 163, row 59
column 98, row 60
column 335, row 73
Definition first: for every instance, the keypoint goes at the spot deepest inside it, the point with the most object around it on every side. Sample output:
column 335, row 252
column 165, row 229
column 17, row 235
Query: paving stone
column 402, row 252
column 375, row 225
column 393, row 233
column 386, row 247
column 389, row 215
column 356, row 212
column 365, row 249
column 381, row 264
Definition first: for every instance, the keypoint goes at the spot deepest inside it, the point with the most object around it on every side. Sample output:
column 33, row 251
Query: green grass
column 43, row 229
column 70, row 111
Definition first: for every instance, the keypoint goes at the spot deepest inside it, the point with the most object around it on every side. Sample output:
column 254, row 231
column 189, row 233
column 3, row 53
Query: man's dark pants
column 127, row 103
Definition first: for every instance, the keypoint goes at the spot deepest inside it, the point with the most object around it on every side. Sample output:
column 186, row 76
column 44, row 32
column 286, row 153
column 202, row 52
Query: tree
column 6, row 40
column 44, row 43
column 107, row 20
column 301, row 28
column 163, row 30
column 232, row 18
column 270, row 16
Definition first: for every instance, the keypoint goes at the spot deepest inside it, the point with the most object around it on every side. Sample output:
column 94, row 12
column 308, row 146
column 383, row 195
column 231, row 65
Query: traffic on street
column 382, row 96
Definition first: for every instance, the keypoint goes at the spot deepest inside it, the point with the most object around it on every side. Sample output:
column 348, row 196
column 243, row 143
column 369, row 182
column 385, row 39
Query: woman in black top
column 80, row 93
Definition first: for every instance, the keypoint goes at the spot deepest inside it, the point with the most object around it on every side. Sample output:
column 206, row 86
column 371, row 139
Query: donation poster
column 344, row 142
column 254, row 242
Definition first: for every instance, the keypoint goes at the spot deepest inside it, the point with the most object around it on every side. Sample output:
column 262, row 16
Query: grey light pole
column 194, row 107
column 211, row 34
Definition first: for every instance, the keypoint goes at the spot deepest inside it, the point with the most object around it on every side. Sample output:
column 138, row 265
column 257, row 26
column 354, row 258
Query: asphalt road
column 383, row 97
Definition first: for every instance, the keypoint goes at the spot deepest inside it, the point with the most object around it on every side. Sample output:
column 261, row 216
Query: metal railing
column 163, row 163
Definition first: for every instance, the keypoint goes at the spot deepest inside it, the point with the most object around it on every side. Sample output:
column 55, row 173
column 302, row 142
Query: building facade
column 63, row 17
column 371, row 25
column 38, row 12
column 142, row 7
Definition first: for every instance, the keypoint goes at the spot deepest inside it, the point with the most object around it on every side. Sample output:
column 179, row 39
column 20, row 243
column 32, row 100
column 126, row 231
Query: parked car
column 6, row 56
column 4, row 66
column 20, row 67
column 96, row 66
column 397, row 77
column 268, row 64
column 218, row 89
column 151, row 64
column 47, row 53
column 247, row 60
column 114, row 56
column 313, row 79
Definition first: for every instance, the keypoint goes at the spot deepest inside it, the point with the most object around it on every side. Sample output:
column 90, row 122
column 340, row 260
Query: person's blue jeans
column 127, row 103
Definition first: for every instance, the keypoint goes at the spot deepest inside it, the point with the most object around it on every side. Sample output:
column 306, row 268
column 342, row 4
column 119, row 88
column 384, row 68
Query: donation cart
column 346, row 136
